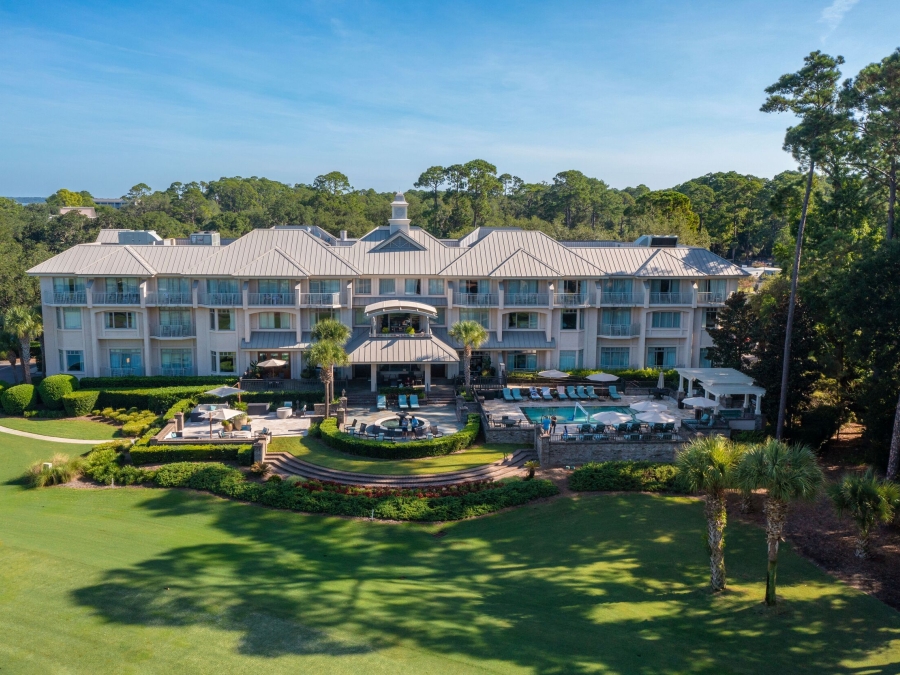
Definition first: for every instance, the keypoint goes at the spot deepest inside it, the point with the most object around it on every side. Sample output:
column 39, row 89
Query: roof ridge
column 328, row 249
column 269, row 251
column 682, row 261
column 140, row 259
column 530, row 255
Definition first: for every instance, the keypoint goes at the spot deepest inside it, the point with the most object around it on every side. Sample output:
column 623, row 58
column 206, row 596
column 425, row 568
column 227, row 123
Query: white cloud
column 835, row 12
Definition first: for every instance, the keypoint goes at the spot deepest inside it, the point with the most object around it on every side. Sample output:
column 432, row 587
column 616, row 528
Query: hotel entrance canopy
column 398, row 306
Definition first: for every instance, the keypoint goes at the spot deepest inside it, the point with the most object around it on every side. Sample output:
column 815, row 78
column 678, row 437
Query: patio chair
column 517, row 394
column 301, row 412
column 435, row 432
column 623, row 428
column 581, row 392
column 613, row 394
column 380, row 437
column 349, row 426
column 289, row 404
column 570, row 391
column 413, row 401
column 507, row 394
column 381, row 402
column 590, row 393
column 401, row 401
column 535, row 396
column 561, row 393
column 587, row 429
column 669, row 427
column 545, row 392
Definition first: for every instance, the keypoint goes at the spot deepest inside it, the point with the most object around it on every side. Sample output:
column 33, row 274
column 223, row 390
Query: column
column 746, row 401
column 427, row 368
column 374, row 386
column 642, row 340
column 146, row 321
column 758, row 401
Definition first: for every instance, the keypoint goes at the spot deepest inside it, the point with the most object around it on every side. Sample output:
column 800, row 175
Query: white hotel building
column 133, row 303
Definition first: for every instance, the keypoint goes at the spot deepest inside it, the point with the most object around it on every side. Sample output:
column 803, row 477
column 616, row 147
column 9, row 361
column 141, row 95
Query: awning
column 367, row 349
column 391, row 306
column 274, row 340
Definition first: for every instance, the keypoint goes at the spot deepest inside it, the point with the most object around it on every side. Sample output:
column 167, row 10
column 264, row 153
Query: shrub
column 182, row 406
column 62, row 470
column 16, row 400
column 46, row 414
column 164, row 454
column 628, row 476
column 444, row 445
column 104, row 465
column 53, row 388
column 748, row 436
column 80, row 403
column 143, row 382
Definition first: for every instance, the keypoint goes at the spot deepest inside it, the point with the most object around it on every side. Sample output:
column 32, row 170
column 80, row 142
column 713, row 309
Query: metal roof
column 399, row 306
column 522, row 264
column 272, row 263
column 513, row 339
column 364, row 348
column 362, row 255
column 275, row 340
column 716, row 375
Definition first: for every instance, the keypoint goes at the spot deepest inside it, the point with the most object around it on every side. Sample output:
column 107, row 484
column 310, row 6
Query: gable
column 398, row 242
column 523, row 265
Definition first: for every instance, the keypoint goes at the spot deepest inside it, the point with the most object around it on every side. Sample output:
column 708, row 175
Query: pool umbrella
column 602, row 377
column 699, row 402
column 656, row 417
column 646, row 406
column 271, row 363
column 222, row 414
column 555, row 374
column 223, row 392
column 661, row 382
column 611, row 417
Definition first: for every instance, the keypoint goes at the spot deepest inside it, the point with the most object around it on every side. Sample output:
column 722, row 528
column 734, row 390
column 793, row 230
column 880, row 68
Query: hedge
column 307, row 396
column 629, row 476
column 163, row 454
column 53, row 388
column 104, row 464
column 182, row 406
column 142, row 382
column 80, row 403
column 444, row 445
column 16, row 400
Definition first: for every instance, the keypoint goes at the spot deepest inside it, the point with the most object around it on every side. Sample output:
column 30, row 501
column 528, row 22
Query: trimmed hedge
column 444, row 445
column 80, row 403
column 16, row 400
column 182, row 406
column 105, row 465
column 163, row 454
column 308, row 397
column 53, row 388
column 625, row 476
column 143, row 382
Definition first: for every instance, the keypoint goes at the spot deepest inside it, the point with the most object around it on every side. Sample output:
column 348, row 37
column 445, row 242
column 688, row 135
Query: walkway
column 53, row 439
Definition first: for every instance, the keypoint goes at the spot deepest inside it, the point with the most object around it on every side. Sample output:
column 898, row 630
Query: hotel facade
column 132, row 303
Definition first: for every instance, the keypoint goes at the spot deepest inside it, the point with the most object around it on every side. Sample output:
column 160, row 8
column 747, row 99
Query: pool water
column 570, row 414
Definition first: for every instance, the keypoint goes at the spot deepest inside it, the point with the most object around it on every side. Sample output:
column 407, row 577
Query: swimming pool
column 570, row 414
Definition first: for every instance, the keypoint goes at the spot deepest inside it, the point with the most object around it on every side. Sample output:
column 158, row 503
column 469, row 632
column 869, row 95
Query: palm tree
column 471, row 335
column 25, row 324
column 868, row 500
column 708, row 466
column 331, row 330
column 327, row 352
column 787, row 473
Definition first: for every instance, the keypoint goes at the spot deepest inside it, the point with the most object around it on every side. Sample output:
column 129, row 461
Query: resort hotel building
column 132, row 303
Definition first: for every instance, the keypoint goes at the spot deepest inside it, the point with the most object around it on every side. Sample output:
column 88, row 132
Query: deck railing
column 617, row 330
column 475, row 299
column 526, row 299
column 70, row 298
column 116, row 298
column 272, row 299
column 670, row 298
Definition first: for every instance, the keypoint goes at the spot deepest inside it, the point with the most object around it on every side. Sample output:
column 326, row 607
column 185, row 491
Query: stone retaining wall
column 517, row 435
column 572, row 453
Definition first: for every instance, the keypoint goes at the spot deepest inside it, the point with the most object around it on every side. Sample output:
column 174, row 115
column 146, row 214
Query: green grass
column 62, row 428
column 315, row 452
column 161, row 581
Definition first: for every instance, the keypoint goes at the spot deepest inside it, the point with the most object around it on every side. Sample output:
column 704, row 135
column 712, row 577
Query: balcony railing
column 170, row 299
column 116, row 298
column 175, row 371
column 320, row 299
column 221, row 299
column 526, row 299
column 670, row 298
column 621, row 298
column 475, row 299
column 570, row 299
column 70, row 298
column 619, row 330
column 121, row 372
column 433, row 300
column 174, row 331
column 711, row 298
column 272, row 299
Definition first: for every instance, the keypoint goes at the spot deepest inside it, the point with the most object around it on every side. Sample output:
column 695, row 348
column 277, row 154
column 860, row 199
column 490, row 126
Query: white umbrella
column 661, row 382
column 222, row 414
column 656, row 417
column 555, row 374
column 602, row 377
column 271, row 363
column 646, row 406
column 222, row 392
column 611, row 417
column 699, row 402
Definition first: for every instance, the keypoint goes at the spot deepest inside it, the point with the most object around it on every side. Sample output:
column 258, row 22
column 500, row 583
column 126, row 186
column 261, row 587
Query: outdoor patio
column 290, row 426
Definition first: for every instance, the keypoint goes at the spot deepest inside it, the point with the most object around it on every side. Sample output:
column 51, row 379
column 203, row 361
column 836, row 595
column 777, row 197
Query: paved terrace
column 500, row 407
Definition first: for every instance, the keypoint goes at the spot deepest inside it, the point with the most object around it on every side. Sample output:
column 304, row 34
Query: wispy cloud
column 834, row 14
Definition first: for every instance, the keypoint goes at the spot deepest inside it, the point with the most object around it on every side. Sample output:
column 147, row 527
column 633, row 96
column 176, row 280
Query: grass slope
column 315, row 452
column 159, row 581
column 62, row 428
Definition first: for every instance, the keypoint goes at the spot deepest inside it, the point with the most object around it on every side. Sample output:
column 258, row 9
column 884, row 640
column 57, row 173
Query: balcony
column 165, row 299
column 174, row 331
column 121, row 372
column 433, row 300
column 526, row 300
column 272, row 299
column 320, row 299
column 174, row 371
column 667, row 332
column 116, row 298
column 221, row 299
column 621, row 298
column 619, row 330
column 671, row 298
column 570, row 299
column 476, row 299
column 69, row 298
column 711, row 298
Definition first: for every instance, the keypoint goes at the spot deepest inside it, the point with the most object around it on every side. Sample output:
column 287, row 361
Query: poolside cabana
column 721, row 382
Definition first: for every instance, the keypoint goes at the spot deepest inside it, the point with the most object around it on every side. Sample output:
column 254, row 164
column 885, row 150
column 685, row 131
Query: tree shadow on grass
column 563, row 587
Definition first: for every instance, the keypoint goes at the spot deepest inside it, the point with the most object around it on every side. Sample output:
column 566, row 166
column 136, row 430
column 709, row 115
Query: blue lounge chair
column 581, row 392
column 534, row 395
column 545, row 392
column 401, row 401
column 561, row 393
column 507, row 394
column 590, row 393
column 382, row 402
column 517, row 394
column 613, row 394
column 570, row 390
column 413, row 401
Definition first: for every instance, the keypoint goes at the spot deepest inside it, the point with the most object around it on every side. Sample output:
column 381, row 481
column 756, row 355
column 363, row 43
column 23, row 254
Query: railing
column 577, row 436
column 174, row 371
column 277, row 384
column 475, row 299
column 526, row 299
column 221, row 299
column 399, row 334
column 121, row 372
column 433, row 300
column 170, row 298
column 507, row 423
column 116, row 298
column 320, row 299
column 670, row 298
column 70, row 298
column 711, row 298
column 617, row 330
column 621, row 298
column 174, row 331
column 570, row 299
column 272, row 299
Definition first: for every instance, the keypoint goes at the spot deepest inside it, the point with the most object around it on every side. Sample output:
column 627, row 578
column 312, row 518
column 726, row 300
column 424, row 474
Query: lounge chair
column 413, row 401
column 352, row 424
column 590, row 393
column 507, row 394
column 545, row 392
column 517, row 394
column 587, row 429
column 570, row 390
column 561, row 393
column 613, row 394
column 581, row 392
column 401, row 401
column 380, row 437
column 381, row 402
column 535, row 396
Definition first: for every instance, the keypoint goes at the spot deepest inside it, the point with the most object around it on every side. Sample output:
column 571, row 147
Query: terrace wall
column 580, row 452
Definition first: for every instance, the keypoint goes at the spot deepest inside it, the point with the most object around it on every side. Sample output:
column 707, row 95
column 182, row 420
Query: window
column 521, row 286
column 522, row 361
column 325, row 286
column 279, row 286
column 318, row 315
column 666, row 320
column 571, row 286
column 120, row 320
column 170, row 285
column 569, row 359
column 435, row 287
column 623, row 286
column 274, row 320
column 174, row 317
column 223, row 362
column 221, row 319
column 126, row 361
column 476, row 286
column 68, row 285
column 71, row 361
column 614, row 357
column 572, row 319
column 221, row 286
column 121, row 285
column 481, row 316
column 386, row 287
column 664, row 286
column 711, row 319
column 68, row 318
column 412, row 287
column 176, row 361
column 522, row 320
column 716, row 286
column 661, row 357
column 615, row 317
column 705, row 360
column 359, row 317
column 441, row 319
column 363, row 287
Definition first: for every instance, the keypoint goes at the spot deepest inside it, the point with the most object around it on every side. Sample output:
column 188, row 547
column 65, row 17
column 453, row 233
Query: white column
column 758, row 401
column 746, row 400
column 642, row 340
column 374, row 377
column 427, row 368
column 146, row 321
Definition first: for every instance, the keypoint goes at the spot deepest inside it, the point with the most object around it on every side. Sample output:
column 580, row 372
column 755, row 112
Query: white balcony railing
column 619, row 330
column 174, row 331
column 475, row 299
column 121, row 372
column 570, row 299
column 670, row 298
column 221, row 299
column 526, row 299
column 321, row 299
column 70, row 298
column 272, row 299
column 170, row 299
column 621, row 298
column 174, row 371
column 717, row 298
column 116, row 298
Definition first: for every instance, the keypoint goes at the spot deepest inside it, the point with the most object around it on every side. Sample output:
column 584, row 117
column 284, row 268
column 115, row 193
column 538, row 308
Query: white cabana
column 720, row 382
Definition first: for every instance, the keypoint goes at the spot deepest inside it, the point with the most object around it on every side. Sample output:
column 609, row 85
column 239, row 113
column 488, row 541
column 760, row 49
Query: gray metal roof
column 362, row 256
column 513, row 339
column 366, row 349
column 275, row 340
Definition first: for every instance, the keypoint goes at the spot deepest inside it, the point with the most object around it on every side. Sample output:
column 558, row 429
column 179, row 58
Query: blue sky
column 102, row 95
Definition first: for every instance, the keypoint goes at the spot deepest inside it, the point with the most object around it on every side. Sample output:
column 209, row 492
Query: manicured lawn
column 160, row 581
column 62, row 428
column 315, row 452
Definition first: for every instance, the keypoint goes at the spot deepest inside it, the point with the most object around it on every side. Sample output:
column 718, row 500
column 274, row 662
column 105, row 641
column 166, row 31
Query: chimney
column 398, row 221
column 343, row 235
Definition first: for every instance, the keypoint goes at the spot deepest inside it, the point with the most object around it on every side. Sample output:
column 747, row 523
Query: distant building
column 88, row 211
column 115, row 203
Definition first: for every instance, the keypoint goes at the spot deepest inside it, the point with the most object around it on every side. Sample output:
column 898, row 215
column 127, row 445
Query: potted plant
column 385, row 330
column 410, row 330
column 226, row 424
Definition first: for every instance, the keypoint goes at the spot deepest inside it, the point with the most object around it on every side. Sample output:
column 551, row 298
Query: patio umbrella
column 222, row 414
column 602, row 377
column 555, row 374
column 611, row 417
column 661, row 382
column 271, row 363
column 699, row 402
column 657, row 417
column 648, row 406
column 223, row 392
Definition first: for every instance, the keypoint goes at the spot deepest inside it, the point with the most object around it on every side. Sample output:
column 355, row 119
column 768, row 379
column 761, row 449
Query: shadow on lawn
column 562, row 587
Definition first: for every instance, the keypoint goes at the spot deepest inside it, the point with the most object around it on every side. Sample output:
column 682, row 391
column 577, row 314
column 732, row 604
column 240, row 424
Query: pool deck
column 441, row 416
column 500, row 407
